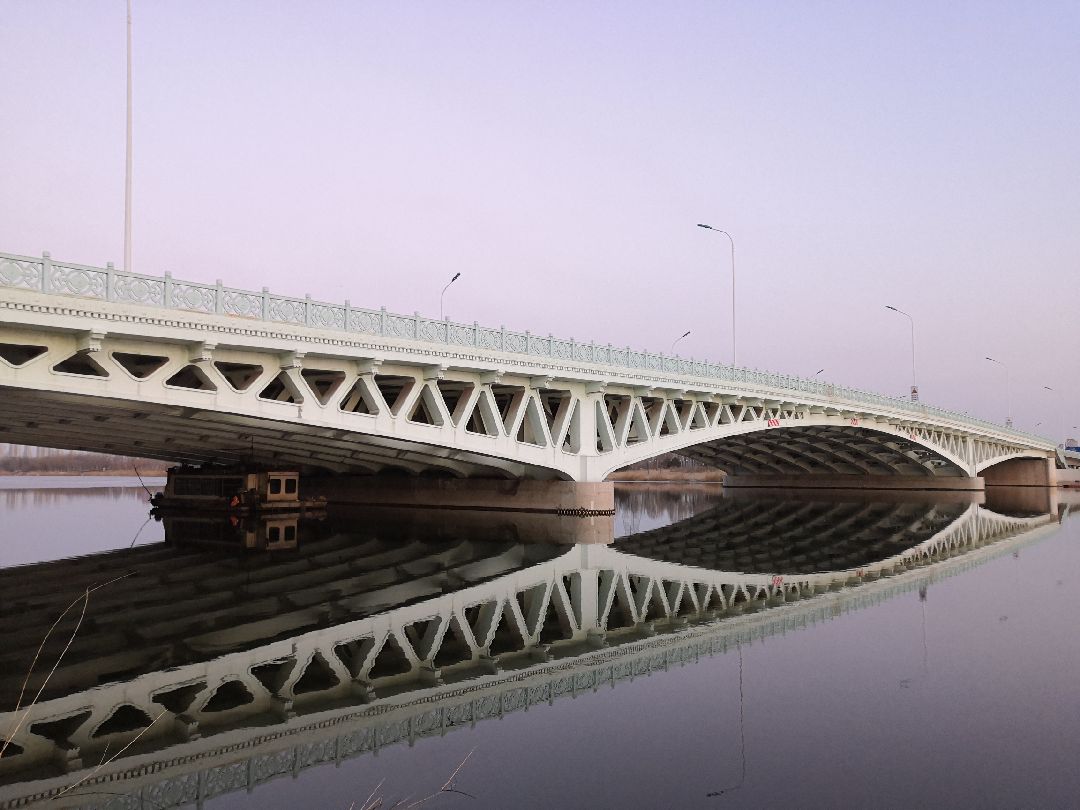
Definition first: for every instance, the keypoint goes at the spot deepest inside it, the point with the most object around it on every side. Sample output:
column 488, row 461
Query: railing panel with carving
column 46, row 275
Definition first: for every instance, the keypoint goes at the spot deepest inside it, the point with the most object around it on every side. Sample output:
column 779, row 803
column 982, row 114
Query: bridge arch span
column 822, row 445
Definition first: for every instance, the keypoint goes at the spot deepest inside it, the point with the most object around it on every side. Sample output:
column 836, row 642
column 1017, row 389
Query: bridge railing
column 109, row 284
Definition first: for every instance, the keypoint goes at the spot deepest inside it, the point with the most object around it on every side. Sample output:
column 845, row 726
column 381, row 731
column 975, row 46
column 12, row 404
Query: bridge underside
column 194, row 436
column 823, row 450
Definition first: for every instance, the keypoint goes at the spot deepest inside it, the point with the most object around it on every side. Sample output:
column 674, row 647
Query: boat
column 238, row 491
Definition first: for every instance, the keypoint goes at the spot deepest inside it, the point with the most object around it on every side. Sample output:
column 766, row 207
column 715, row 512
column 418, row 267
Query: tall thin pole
column 442, row 295
column 734, row 353
column 127, row 155
column 914, row 384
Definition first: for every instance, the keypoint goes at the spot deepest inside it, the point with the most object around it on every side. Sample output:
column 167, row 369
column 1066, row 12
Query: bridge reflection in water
column 215, row 670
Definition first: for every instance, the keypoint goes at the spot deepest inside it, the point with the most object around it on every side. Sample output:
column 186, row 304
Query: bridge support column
column 1021, row 472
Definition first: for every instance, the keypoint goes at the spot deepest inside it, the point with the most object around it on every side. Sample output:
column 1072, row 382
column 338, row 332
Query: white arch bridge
column 102, row 360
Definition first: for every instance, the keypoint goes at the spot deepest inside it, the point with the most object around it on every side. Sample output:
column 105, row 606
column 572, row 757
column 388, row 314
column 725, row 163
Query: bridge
column 97, row 359
column 237, row 670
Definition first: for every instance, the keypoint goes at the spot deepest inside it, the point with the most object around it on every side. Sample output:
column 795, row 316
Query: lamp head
column 455, row 278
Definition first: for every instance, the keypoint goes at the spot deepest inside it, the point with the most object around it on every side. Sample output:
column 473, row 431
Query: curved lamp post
column 680, row 337
column 1008, row 392
column 443, row 293
column 914, row 385
column 734, row 356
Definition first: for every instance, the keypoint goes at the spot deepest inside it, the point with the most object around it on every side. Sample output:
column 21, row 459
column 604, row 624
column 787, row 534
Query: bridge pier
column 1021, row 472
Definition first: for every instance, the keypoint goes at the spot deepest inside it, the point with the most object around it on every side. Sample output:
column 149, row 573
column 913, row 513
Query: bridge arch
column 822, row 445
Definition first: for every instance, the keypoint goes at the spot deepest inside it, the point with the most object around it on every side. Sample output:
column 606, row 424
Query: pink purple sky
column 559, row 155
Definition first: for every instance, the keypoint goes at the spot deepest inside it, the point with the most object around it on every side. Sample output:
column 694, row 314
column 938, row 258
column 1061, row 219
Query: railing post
column 475, row 333
column 219, row 298
column 382, row 321
column 502, row 338
column 168, row 290
column 348, row 318
column 307, row 310
column 416, row 324
column 528, row 342
column 110, row 282
column 446, row 334
column 46, row 271
column 265, row 303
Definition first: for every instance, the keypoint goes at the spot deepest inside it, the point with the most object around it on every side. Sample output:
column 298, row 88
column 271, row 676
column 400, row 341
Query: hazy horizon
column 560, row 155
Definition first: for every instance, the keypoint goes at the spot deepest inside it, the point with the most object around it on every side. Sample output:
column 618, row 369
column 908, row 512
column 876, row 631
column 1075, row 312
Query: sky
column 559, row 155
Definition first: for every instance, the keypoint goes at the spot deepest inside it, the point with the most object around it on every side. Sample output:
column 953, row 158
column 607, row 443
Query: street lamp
column 443, row 293
column 1008, row 392
column 914, row 385
column 680, row 337
column 819, row 371
column 734, row 356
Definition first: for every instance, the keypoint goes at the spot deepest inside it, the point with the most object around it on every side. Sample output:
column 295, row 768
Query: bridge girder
column 134, row 381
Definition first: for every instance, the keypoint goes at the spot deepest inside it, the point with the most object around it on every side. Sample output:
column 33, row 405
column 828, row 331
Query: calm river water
column 752, row 650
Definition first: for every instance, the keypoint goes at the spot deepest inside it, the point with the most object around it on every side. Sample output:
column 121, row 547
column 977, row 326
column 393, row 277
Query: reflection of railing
column 110, row 284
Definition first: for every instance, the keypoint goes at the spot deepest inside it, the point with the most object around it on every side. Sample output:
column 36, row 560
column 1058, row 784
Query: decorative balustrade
column 109, row 284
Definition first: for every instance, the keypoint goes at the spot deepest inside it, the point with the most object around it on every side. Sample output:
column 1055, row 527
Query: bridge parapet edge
column 107, row 284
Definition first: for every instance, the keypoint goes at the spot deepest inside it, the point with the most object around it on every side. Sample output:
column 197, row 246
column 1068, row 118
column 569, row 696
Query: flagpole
column 127, row 155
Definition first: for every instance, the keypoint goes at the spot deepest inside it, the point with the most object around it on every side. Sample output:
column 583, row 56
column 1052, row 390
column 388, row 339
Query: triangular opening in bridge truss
column 647, row 599
column 391, row 659
column 699, row 417
column 9, row 748
column 60, row 730
column 239, row 375
column 394, row 390
column 507, row 638
column 323, row 383
column 620, row 613
column 686, row 604
column 614, row 405
column 605, row 435
column 426, row 409
column 553, row 403
column 354, row 654
column 654, row 410
column 179, row 700
column 532, row 602
column 361, row 399
column 727, row 417
column 531, row 428
column 684, row 410
column 669, row 425
column 481, row 618
column 507, row 400
column 483, row 419
column 557, row 624
column 748, row 415
column 193, row 377
column 571, row 584
column 637, row 430
column 424, row 635
column 19, row 354
column 571, row 433
column 455, row 647
column 230, row 695
column 81, row 364
column 273, row 675
column 139, row 366
column 124, row 719
column 282, row 389
column 455, row 396
column 318, row 676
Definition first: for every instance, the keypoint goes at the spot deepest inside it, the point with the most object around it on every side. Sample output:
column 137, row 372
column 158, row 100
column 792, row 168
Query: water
column 852, row 670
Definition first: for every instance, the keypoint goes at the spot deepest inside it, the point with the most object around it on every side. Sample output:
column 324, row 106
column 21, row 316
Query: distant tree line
column 21, row 459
